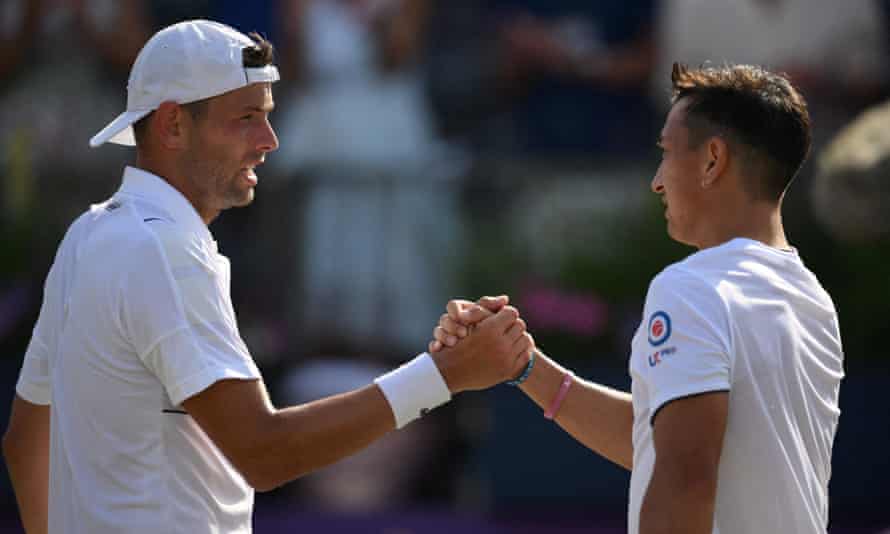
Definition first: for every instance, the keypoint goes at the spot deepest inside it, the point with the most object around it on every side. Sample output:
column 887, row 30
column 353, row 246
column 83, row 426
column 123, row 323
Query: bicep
column 688, row 436
column 26, row 450
column 28, row 426
column 232, row 413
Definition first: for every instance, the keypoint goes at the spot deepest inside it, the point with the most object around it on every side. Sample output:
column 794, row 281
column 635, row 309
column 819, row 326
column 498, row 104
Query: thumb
column 494, row 304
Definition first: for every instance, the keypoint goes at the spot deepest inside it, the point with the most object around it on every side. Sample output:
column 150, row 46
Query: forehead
column 675, row 124
column 256, row 95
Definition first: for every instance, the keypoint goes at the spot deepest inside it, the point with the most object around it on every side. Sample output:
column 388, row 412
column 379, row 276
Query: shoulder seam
column 682, row 270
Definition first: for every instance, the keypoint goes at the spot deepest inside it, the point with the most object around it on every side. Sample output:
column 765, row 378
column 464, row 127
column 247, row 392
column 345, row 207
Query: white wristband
column 413, row 389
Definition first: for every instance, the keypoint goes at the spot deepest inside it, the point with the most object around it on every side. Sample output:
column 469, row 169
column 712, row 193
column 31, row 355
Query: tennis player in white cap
column 138, row 408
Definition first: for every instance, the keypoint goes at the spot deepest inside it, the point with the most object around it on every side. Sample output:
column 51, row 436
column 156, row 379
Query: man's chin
column 244, row 198
column 248, row 198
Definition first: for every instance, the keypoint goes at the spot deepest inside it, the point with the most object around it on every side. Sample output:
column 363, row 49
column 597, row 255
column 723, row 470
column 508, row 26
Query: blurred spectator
column 254, row 16
column 885, row 5
column 71, row 59
column 852, row 185
column 18, row 21
column 569, row 76
column 360, row 101
column 835, row 52
column 166, row 12
column 376, row 229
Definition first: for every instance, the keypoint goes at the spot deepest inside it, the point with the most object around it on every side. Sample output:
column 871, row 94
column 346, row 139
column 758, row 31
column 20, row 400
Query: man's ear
column 715, row 161
column 172, row 126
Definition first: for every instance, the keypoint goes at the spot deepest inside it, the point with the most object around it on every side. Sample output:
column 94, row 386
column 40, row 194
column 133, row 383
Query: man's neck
column 177, row 180
column 759, row 221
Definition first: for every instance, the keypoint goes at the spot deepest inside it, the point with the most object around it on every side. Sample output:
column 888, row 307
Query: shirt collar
column 160, row 193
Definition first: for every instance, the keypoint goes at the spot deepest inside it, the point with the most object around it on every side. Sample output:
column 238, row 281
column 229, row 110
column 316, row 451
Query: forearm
column 298, row 440
column 270, row 447
column 26, row 451
column 599, row 417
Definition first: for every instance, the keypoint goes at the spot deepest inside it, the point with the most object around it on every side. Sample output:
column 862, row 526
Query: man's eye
column 246, row 118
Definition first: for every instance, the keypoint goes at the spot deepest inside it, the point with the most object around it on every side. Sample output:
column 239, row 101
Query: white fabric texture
column 136, row 318
column 751, row 320
column 414, row 389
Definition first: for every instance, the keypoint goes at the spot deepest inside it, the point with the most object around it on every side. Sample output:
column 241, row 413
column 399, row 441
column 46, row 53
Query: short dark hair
column 260, row 54
column 750, row 106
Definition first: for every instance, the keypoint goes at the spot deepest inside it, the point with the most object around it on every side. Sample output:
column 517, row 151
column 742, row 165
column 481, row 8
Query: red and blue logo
column 659, row 328
column 659, row 355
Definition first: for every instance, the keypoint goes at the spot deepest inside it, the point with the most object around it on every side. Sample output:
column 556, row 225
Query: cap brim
column 120, row 130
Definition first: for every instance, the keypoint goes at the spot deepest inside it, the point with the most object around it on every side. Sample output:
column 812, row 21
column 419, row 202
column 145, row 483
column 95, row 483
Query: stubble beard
column 236, row 195
column 221, row 189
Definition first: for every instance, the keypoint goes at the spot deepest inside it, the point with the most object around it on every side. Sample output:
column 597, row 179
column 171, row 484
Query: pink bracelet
column 567, row 380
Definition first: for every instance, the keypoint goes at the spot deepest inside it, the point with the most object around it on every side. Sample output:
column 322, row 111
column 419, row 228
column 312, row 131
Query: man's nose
column 657, row 185
column 268, row 141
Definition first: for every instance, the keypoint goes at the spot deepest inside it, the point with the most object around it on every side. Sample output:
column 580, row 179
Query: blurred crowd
column 432, row 149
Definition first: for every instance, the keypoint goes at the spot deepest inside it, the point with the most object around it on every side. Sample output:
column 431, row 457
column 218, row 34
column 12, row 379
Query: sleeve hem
column 199, row 382
column 33, row 394
column 679, row 395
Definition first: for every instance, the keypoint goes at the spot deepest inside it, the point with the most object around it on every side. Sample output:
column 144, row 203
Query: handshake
column 478, row 345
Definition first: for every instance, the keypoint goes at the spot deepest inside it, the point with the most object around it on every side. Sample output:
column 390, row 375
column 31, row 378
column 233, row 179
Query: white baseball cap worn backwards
column 183, row 63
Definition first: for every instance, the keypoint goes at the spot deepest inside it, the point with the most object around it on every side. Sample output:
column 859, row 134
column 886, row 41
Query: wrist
column 414, row 389
column 446, row 370
column 526, row 371
column 567, row 380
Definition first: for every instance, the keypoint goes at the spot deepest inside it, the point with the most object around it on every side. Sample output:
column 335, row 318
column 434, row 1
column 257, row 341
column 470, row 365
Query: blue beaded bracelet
column 528, row 371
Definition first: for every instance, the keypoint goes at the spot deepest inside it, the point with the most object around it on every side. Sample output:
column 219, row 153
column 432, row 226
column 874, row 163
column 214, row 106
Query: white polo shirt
column 751, row 320
column 136, row 318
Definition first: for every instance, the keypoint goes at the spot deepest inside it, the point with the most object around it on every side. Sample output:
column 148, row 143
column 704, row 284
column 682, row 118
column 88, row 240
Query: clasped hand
column 479, row 344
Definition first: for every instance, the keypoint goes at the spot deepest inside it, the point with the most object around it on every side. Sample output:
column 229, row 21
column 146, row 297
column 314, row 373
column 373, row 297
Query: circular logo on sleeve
column 659, row 328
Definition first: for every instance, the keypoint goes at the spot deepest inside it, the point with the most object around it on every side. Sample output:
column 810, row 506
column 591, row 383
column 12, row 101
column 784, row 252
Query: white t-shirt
column 751, row 320
column 136, row 318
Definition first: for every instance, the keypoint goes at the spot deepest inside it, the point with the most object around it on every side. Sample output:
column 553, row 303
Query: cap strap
column 269, row 73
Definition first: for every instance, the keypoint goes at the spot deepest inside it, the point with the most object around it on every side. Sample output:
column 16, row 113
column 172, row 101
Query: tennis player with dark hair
column 737, row 363
column 139, row 408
